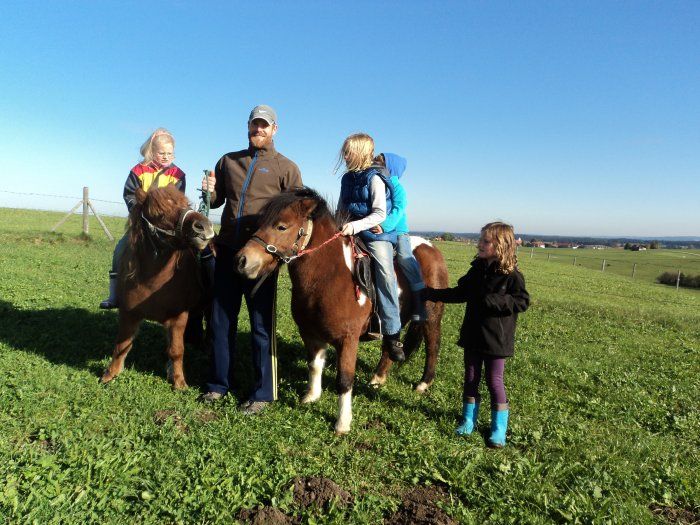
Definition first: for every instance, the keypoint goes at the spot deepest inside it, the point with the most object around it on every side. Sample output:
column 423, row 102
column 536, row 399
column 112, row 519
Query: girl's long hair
column 503, row 240
column 357, row 152
column 159, row 136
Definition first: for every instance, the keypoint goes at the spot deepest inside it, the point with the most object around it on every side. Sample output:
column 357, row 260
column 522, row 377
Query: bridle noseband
column 177, row 232
column 296, row 250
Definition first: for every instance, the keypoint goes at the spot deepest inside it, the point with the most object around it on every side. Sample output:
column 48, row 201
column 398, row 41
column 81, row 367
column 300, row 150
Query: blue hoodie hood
column 395, row 164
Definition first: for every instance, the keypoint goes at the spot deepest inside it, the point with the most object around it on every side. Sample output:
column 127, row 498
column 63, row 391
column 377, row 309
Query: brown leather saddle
column 364, row 283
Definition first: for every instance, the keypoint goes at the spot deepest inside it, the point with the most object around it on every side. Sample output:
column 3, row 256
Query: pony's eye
column 281, row 227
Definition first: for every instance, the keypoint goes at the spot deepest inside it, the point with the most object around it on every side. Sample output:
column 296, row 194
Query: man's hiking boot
column 252, row 408
column 210, row 397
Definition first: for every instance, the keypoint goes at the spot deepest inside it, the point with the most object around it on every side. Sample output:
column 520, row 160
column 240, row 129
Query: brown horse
column 159, row 276
column 297, row 227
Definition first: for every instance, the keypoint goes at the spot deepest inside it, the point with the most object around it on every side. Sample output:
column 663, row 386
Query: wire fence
column 648, row 265
column 117, row 208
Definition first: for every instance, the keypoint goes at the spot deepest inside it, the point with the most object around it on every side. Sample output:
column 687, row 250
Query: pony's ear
column 140, row 195
column 308, row 206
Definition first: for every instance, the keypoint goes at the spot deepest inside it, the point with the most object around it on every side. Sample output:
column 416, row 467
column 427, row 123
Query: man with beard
column 243, row 182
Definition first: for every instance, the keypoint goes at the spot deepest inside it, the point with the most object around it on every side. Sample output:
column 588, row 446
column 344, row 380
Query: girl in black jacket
column 494, row 291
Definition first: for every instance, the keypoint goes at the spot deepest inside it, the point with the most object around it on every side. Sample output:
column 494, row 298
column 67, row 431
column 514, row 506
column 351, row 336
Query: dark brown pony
column 297, row 227
column 159, row 275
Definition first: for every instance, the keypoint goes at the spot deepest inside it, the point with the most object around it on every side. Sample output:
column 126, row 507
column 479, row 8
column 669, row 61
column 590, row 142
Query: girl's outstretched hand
column 347, row 229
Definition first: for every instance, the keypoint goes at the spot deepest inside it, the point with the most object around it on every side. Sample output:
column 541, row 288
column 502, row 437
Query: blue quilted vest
column 354, row 194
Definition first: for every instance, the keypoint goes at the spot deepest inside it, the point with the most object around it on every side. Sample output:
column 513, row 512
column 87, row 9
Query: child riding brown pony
column 297, row 227
column 159, row 276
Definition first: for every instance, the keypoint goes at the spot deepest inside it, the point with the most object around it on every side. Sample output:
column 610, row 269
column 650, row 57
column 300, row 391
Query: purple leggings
column 495, row 367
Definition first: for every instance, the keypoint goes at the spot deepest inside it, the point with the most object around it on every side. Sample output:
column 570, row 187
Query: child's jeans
column 385, row 283
column 495, row 366
column 407, row 262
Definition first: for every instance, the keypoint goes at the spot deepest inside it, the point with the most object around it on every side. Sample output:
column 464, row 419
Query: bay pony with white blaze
column 296, row 227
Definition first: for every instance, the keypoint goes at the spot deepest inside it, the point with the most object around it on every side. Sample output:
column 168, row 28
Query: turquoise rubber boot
column 470, row 411
column 499, row 425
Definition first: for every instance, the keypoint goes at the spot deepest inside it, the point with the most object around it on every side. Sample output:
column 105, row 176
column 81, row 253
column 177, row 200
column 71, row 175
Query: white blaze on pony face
column 342, row 426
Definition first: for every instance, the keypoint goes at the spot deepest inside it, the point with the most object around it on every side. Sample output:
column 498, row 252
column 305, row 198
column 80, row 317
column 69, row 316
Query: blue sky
column 571, row 118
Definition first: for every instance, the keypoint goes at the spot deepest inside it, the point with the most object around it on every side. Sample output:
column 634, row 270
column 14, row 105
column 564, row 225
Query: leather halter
column 177, row 232
column 295, row 251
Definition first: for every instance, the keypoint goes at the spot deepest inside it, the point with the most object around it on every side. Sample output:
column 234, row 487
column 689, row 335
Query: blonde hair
column 158, row 137
column 503, row 240
column 357, row 152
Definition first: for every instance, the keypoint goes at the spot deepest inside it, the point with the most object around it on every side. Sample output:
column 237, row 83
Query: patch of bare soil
column 418, row 507
column 675, row 515
column 266, row 516
column 319, row 491
column 160, row 417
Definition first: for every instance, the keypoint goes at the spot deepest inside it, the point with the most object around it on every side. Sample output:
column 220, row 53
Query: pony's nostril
column 197, row 226
column 241, row 263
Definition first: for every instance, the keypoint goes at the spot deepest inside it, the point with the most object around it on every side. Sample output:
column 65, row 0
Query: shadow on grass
column 84, row 340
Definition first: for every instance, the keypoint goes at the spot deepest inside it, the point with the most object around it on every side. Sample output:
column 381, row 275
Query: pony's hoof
column 341, row 431
column 180, row 385
column 377, row 381
column 106, row 378
column 422, row 387
column 309, row 398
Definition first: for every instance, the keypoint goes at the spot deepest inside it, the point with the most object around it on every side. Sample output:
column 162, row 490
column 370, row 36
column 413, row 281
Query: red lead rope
column 311, row 250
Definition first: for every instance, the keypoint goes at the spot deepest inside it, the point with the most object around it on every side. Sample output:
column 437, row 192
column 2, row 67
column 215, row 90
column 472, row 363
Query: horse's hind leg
column 128, row 325
column 176, row 350
column 347, row 360
column 431, row 332
column 316, row 358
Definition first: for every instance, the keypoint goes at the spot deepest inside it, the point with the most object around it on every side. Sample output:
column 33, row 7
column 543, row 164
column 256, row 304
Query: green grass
column 649, row 264
column 604, row 392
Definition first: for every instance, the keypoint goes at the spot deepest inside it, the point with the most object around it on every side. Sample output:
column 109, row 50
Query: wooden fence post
column 87, row 205
column 574, row 261
column 602, row 268
column 678, row 279
column 532, row 251
column 86, row 222
column 634, row 270
column 549, row 256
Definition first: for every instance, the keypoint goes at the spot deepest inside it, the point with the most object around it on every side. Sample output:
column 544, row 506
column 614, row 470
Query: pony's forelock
column 271, row 211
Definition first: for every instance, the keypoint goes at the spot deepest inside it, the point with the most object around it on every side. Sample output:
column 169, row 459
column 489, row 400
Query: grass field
column 646, row 265
column 604, row 388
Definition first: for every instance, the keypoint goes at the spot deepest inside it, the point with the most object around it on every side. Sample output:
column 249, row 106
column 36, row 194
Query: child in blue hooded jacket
column 396, row 221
